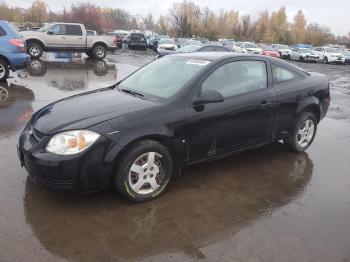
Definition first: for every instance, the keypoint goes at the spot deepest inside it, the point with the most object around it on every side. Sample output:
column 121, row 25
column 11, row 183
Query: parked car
column 346, row 54
column 12, row 51
column 181, row 42
column 155, row 39
column 329, row 55
column 283, row 50
column 268, row 50
column 166, row 44
column 192, row 49
column 201, row 39
column 67, row 37
column 246, row 47
column 181, row 110
column 137, row 41
column 228, row 43
column 303, row 55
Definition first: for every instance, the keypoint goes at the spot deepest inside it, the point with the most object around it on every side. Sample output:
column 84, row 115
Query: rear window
column 73, row 30
column 2, row 31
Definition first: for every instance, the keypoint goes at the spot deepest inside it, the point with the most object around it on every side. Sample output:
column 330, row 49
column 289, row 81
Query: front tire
column 325, row 60
column 144, row 172
column 35, row 50
column 4, row 70
column 99, row 52
column 303, row 133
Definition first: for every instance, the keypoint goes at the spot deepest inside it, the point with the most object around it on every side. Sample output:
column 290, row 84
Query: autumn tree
column 263, row 27
column 298, row 27
column 38, row 12
column 87, row 14
column 279, row 25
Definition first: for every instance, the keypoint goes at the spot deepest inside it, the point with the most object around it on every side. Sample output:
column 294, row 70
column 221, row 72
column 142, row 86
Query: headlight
column 71, row 142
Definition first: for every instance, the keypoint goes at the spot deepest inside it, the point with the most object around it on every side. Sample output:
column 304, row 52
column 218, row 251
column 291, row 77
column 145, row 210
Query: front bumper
column 18, row 61
column 312, row 58
column 336, row 60
column 87, row 171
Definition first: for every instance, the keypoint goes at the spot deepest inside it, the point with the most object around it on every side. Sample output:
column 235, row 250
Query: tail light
column 19, row 43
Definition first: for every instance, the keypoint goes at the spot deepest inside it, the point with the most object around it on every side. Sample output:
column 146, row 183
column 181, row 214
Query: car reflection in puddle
column 209, row 204
column 15, row 108
column 72, row 76
column 55, row 77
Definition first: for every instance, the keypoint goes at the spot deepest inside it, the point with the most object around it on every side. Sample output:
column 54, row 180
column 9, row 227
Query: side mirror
column 50, row 32
column 206, row 97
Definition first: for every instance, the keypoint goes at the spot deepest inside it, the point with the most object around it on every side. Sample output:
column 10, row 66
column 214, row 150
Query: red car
column 268, row 50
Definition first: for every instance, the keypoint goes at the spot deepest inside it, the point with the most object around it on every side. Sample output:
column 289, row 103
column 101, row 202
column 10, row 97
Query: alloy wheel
column 34, row 51
column 305, row 133
column 147, row 173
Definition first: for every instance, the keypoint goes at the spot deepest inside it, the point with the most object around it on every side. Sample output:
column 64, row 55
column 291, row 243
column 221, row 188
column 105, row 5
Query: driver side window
column 236, row 78
column 59, row 30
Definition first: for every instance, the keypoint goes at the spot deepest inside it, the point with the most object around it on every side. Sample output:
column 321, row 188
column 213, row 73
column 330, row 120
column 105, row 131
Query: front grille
column 31, row 138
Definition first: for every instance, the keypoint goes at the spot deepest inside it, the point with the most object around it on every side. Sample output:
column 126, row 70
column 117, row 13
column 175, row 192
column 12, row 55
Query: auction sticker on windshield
column 198, row 62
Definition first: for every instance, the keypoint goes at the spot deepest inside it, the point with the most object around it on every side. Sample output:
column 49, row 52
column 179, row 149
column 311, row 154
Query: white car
column 246, row 47
column 283, row 50
column 67, row 37
column 303, row 55
column 329, row 55
column 167, row 44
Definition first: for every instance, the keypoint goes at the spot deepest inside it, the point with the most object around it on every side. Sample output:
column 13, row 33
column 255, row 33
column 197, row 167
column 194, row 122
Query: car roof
column 217, row 56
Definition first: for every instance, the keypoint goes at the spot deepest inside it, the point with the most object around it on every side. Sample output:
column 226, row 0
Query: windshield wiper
column 128, row 91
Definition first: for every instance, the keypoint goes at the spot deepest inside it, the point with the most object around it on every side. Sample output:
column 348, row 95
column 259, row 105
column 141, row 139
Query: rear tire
column 99, row 52
column 4, row 70
column 35, row 50
column 144, row 171
column 303, row 133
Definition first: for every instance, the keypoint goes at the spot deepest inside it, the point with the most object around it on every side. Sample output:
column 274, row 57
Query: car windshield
column 267, row 47
column 332, row 50
column 189, row 48
column 250, row 45
column 45, row 28
column 166, row 41
column 305, row 50
column 164, row 77
column 283, row 47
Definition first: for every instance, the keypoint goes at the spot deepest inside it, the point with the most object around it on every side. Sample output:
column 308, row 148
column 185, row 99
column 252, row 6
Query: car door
column 75, row 39
column 56, row 37
column 246, row 116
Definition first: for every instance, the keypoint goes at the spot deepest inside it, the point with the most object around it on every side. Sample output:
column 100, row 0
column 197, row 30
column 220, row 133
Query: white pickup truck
column 67, row 37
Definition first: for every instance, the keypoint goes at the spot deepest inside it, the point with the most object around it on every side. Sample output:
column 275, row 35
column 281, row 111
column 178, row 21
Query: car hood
column 86, row 109
column 28, row 34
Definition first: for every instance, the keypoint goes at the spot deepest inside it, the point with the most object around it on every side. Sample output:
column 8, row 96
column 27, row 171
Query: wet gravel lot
column 264, row 205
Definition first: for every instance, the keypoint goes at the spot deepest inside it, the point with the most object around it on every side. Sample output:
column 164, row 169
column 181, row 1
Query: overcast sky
column 333, row 14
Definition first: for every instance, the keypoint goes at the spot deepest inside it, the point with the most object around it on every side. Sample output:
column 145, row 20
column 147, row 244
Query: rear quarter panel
column 295, row 96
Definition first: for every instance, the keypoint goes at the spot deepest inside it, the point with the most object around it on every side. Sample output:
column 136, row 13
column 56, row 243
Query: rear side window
column 282, row 74
column 74, row 30
column 236, row 78
column 2, row 31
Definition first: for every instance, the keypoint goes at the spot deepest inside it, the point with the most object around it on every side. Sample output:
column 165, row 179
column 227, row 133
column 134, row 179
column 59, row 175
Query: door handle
column 80, row 38
column 63, row 37
column 265, row 103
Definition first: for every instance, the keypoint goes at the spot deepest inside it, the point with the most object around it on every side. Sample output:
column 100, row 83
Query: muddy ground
column 263, row 205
